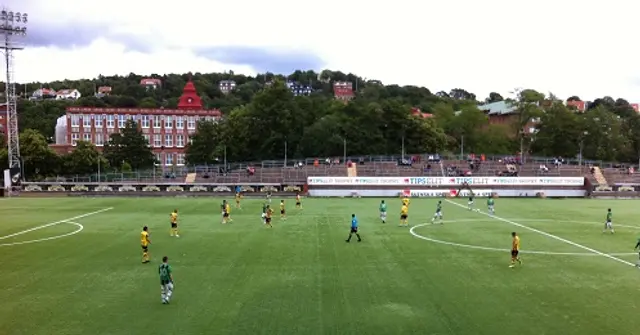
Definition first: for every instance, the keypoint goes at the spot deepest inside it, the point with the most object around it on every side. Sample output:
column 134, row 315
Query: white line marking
column 80, row 228
column 54, row 223
column 547, row 235
column 479, row 247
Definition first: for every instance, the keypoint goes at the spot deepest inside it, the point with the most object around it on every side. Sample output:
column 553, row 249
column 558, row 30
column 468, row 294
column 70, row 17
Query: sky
column 569, row 47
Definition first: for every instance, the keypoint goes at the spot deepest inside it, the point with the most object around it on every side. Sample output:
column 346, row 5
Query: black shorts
column 225, row 215
column 145, row 248
column 268, row 220
column 403, row 217
column 514, row 253
column 165, row 282
column 297, row 203
column 174, row 225
column 282, row 212
column 354, row 229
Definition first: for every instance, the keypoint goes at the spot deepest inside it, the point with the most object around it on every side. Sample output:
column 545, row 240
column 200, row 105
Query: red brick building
column 167, row 130
column 343, row 90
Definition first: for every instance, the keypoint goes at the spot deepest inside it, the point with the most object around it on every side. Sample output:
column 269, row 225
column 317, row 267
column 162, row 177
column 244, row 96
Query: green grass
column 302, row 278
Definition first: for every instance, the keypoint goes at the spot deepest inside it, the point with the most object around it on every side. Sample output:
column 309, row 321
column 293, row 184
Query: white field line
column 80, row 228
column 558, row 238
column 54, row 223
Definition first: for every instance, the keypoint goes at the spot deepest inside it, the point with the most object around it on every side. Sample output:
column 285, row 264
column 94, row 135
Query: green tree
column 129, row 146
column 558, row 132
column 206, row 144
column 37, row 158
column 84, row 159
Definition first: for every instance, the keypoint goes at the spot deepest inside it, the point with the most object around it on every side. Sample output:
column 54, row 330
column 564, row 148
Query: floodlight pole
column 12, row 26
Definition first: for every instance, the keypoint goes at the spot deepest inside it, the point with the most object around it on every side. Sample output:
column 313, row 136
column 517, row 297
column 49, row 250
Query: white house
column 151, row 83
column 43, row 93
column 67, row 94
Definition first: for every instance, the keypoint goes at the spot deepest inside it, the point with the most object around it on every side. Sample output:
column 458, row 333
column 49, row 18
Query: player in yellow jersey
column 405, row 201
column 267, row 216
column 515, row 250
column 173, row 217
column 298, row 201
column 404, row 215
column 238, row 198
column 283, row 214
column 145, row 241
column 226, row 216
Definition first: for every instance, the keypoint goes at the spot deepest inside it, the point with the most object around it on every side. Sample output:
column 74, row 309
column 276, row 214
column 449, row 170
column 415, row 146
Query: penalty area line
column 55, row 223
column 558, row 238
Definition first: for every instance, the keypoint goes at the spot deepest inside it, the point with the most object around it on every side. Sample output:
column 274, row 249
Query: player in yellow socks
column 226, row 216
column 515, row 250
column 174, row 223
column 404, row 215
column 267, row 216
column 298, row 201
column 145, row 241
column 283, row 214
column 238, row 198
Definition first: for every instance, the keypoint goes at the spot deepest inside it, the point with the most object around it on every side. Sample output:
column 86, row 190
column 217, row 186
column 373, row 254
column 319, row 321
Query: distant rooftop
column 498, row 108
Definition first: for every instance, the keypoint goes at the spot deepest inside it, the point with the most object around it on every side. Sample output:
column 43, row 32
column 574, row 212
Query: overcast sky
column 569, row 47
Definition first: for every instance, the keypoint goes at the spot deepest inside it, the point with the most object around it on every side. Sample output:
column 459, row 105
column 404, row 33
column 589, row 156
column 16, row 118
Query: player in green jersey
column 166, row 280
column 383, row 211
column 608, row 225
column 470, row 203
column 636, row 248
column 490, row 204
column 438, row 214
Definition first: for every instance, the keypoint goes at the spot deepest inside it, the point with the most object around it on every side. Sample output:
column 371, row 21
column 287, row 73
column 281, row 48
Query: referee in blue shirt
column 354, row 228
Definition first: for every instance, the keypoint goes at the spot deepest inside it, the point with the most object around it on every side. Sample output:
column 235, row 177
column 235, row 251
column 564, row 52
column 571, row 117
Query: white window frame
column 97, row 122
column 122, row 119
column 191, row 122
column 75, row 120
column 158, row 158
column 156, row 121
column 99, row 139
column 110, row 121
column 86, row 137
column 86, row 121
column 168, row 158
column 180, row 159
column 147, row 138
column 179, row 140
column 145, row 121
column 179, row 122
column 168, row 122
column 75, row 137
column 157, row 140
column 168, row 140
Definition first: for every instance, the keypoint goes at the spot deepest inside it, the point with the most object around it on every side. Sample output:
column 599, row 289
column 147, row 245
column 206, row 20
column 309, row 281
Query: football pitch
column 73, row 266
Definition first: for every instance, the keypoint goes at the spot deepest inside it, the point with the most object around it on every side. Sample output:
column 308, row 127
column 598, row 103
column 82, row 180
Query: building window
column 180, row 159
column 86, row 137
column 168, row 140
column 99, row 139
column 180, row 141
column 158, row 158
column 75, row 137
column 157, row 140
column 122, row 119
column 179, row 122
column 156, row 121
column 191, row 122
column 168, row 122
column 86, row 121
column 145, row 121
column 75, row 120
column 98, row 121
column 110, row 123
column 169, row 159
column 146, row 138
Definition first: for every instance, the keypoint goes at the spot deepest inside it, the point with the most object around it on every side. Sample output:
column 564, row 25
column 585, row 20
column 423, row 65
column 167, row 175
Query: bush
column 268, row 189
column 604, row 189
column 247, row 189
column 626, row 189
column 103, row 188
column 127, row 188
column 221, row 189
column 151, row 188
column 33, row 188
column 79, row 188
column 541, row 195
column 198, row 189
column 175, row 189
column 292, row 189
column 56, row 188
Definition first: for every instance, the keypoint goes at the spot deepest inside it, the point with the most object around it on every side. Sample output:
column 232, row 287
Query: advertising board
column 445, row 181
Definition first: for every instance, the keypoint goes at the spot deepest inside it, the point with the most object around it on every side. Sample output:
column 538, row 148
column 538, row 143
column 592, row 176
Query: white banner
column 447, row 181
column 443, row 193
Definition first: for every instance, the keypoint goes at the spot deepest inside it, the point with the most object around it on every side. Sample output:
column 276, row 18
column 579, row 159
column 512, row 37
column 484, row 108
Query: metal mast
column 12, row 28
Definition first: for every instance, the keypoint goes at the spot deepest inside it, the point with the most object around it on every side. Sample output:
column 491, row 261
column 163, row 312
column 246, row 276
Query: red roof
column 579, row 105
column 636, row 107
column 150, row 81
column 189, row 99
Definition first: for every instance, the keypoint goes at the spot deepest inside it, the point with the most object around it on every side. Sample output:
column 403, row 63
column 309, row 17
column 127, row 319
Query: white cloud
column 566, row 47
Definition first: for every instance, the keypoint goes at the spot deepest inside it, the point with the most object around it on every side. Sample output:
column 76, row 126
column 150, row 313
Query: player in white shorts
column 470, row 203
column 608, row 225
